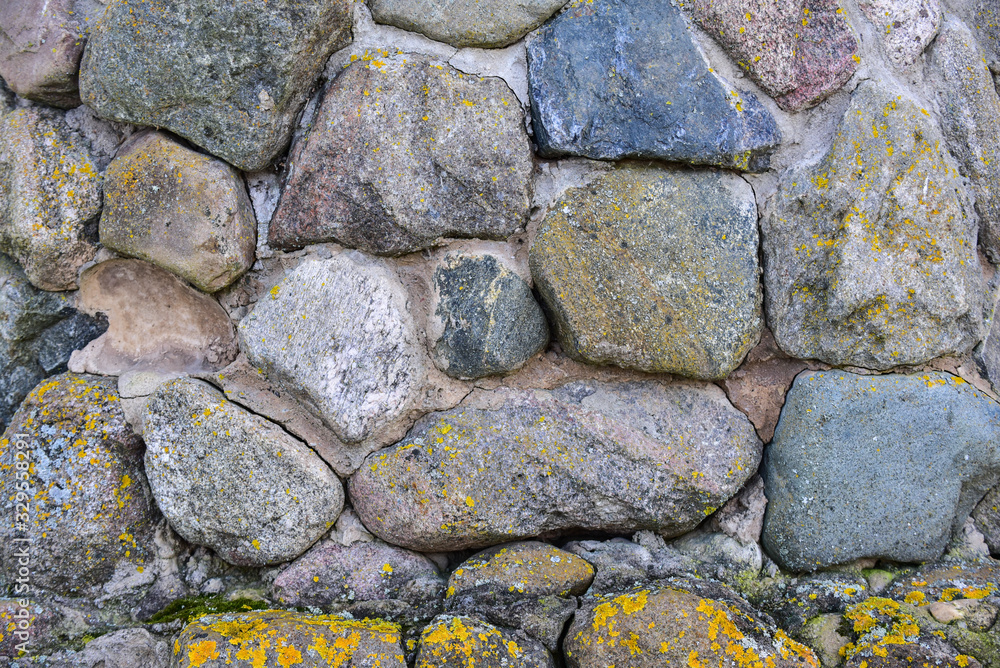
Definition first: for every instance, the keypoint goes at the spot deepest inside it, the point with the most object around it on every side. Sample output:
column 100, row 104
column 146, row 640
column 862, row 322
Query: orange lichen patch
column 879, row 622
column 467, row 642
column 530, row 568
column 200, row 652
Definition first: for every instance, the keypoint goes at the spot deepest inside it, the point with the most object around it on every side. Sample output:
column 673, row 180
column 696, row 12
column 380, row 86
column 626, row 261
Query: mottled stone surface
column 623, row 564
column 876, row 466
column 179, row 209
column 50, row 197
column 613, row 457
column 987, row 517
column 405, row 150
column 89, row 507
column 720, row 556
column 233, row 481
column 486, row 320
column 985, row 20
column 128, row 648
column 906, row 26
column 653, row 269
column 798, row 51
column 743, row 515
column 792, row 602
column 460, row 640
column 230, row 77
column 870, row 254
column 613, row 79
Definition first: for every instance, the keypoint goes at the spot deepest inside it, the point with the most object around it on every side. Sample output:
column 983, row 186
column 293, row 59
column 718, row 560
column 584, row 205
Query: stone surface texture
column 229, row 77
column 870, row 253
column 405, row 150
column 907, row 26
column 613, row 79
column 653, row 269
column 623, row 564
column 128, row 648
column 987, row 517
column 179, row 209
column 230, row 480
column 451, row 640
column 876, row 466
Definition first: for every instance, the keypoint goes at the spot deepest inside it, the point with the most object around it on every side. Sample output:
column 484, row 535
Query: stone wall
column 535, row 333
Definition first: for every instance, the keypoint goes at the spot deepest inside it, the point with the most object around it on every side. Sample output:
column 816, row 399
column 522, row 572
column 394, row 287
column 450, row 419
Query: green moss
column 190, row 609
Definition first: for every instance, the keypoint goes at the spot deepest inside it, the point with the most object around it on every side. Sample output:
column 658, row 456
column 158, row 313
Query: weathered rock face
column 486, row 320
column 623, row 564
column 404, row 151
column 70, row 456
column 794, row 602
column 467, row 22
column 987, row 516
column 876, row 466
column 127, row 648
column 179, row 209
column 276, row 637
column 799, row 52
column 229, row 77
column 232, row 481
column 870, row 254
column 613, row 79
column 50, row 197
column 155, row 321
column 610, row 457
column 454, row 640
column 907, row 26
column 653, row 269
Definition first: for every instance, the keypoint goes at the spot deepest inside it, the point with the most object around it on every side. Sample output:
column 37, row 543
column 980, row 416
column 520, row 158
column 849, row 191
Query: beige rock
column 946, row 613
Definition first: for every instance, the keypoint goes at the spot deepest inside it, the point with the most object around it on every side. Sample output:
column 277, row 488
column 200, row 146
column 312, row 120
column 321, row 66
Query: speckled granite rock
column 128, row 648
column 612, row 457
column 229, row 77
column 179, row 209
column 984, row 18
column 653, row 269
column 405, row 150
column 89, row 509
column 624, row 564
column 870, row 254
column 876, row 466
column 907, row 26
column 613, row 79
column 798, row 51
column 486, row 320
column 460, row 640
column 233, row 481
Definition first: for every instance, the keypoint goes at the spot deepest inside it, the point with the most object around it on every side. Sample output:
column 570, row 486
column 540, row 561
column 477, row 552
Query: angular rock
column 462, row 641
column 653, row 269
column 947, row 582
column 623, row 564
column 276, row 638
column 907, row 26
column 50, row 192
column 793, row 602
column 71, row 457
column 876, row 466
column 743, row 515
column 870, row 254
column 612, row 79
column 486, row 320
column 156, row 321
column 232, row 481
column 179, row 209
column 720, row 556
column 612, row 457
column 128, row 648
column 987, row 517
column 229, row 77
column 404, row 151
column 467, row 22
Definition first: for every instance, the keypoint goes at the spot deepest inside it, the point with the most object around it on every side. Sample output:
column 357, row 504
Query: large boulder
column 613, row 79
column 405, row 150
column 653, row 269
column 613, row 457
column 876, row 466
column 870, row 253
column 230, row 77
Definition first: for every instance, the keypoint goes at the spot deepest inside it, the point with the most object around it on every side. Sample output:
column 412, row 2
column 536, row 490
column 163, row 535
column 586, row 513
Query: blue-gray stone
column 612, row 79
column 876, row 466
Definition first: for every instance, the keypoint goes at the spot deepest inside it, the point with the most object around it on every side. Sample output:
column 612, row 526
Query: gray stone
column 792, row 602
column 985, row 20
column 870, row 253
column 987, row 517
column 467, row 22
column 426, row 152
column 179, row 209
column 232, row 481
column 128, row 648
column 613, row 79
column 230, row 77
column 907, row 26
column 721, row 557
column 623, row 564
column 876, row 466
column 486, row 320
column 461, row 640
column 614, row 457
column 653, row 269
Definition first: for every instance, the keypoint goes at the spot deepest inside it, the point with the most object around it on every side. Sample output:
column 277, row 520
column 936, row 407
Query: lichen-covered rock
column 50, row 197
column 681, row 623
column 73, row 487
column 793, row 602
column 653, row 269
column 230, row 77
column 876, row 466
column 798, row 51
column 179, row 209
column 612, row 457
column 233, row 481
column 613, row 79
column 720, row 556
column 623, row 564
column 946, row 582
column 466, row 641
column 907, row 26
column 406, row 150
column 870, row 254
column 486, row 320
column 279, row 638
